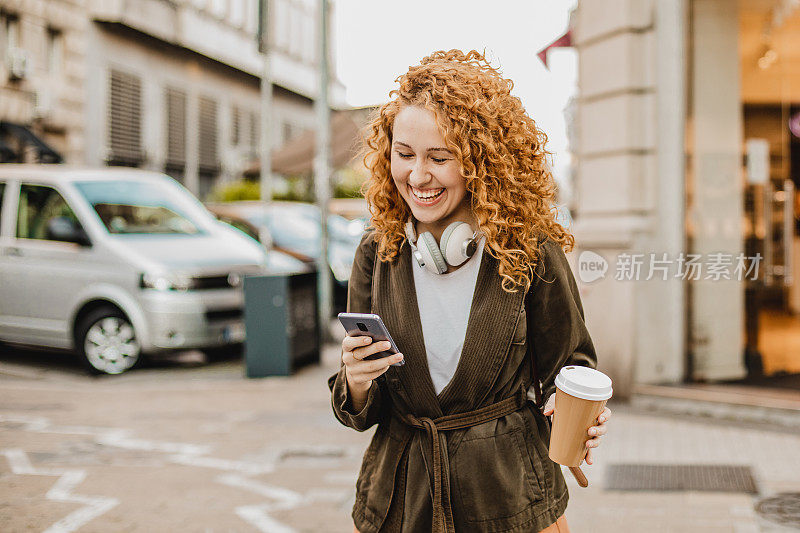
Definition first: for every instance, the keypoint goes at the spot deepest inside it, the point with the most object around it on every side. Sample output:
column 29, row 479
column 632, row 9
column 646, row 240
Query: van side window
column 38, row 205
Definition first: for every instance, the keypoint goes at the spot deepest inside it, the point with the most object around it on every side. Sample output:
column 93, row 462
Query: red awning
column 565, row 41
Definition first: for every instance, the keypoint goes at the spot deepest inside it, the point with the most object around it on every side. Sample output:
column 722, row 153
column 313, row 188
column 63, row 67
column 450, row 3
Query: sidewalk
column 193, row 447
column 643, row 436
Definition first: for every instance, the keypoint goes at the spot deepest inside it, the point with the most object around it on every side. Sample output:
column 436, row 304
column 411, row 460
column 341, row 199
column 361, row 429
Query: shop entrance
column 769, row 54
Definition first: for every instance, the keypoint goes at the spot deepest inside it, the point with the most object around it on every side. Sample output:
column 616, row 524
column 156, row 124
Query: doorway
column 769, row 53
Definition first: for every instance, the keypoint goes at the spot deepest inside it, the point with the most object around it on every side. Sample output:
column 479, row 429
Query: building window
column 308, row 37
column 236, row 125
column 254, row 129
column 55, row 51
column 296, row 33
column 237, row 11
column 176, row 132
column 290, row 131
column 281, row 12
column 250, row 23
column 124, row 119
column 9, row 33
column 208, row 160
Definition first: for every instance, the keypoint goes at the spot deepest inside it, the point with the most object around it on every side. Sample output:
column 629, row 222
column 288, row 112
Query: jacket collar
column 492, row 321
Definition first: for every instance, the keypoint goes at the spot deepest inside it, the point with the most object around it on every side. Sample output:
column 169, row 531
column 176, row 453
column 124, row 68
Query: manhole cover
column 783, row 508
column 723, row 478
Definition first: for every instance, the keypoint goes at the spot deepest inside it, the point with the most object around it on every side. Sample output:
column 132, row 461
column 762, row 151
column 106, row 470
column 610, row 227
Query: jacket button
column 395, row 383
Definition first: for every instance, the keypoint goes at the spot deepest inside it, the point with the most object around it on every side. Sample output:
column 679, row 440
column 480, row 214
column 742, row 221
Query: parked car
column 114, row 263
column 294, row 228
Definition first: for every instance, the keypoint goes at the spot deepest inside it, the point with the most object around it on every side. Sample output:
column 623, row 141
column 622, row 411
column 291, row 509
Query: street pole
column 265, row 146
column 322, row 171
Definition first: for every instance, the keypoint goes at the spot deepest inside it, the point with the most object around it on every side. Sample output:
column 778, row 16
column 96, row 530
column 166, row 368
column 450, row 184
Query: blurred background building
column 167, row 85
column 686, row 137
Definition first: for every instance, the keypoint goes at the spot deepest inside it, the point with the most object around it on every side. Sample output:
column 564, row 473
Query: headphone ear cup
column 434, row 261
column 452, row 242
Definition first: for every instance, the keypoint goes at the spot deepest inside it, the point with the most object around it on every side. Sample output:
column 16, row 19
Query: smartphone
column 360, row 324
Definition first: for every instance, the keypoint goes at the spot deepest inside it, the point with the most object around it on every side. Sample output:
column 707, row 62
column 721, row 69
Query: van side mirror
column 66, row 230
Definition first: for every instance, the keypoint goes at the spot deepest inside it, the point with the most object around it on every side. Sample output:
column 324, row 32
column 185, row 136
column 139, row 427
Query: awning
column 296, row 157
column 565, row 41
column 26, row 137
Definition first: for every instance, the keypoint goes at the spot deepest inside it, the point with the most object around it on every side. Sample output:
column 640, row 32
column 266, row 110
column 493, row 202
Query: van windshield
column 141, row 207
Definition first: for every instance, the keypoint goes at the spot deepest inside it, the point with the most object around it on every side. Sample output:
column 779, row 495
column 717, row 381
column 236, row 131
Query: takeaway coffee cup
column 581, row 395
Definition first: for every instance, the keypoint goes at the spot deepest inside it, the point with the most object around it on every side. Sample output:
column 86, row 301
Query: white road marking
column 194, row 455
column 258, row 516
column 94, row 506
column 282, row 495
column 223, row 464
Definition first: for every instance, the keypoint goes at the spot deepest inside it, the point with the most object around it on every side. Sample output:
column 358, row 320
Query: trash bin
column 281, row 325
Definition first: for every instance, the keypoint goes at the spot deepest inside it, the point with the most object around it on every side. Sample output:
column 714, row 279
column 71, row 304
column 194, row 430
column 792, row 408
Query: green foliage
column 236, row 191
column 297, row 190
column 348, row 183
column 293, row 189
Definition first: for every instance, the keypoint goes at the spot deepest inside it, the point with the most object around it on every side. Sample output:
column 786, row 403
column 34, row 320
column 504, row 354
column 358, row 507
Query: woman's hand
column 595, row 431
column 359, row 372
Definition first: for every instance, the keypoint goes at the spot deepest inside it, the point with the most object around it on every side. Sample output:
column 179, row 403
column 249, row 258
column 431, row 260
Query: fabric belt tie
column 442, row 510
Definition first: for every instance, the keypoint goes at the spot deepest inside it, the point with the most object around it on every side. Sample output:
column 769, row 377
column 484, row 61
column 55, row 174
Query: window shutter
column 176, row 129
column 208, row 135
column 236, row 125
column 254, row 130
column 125, row 119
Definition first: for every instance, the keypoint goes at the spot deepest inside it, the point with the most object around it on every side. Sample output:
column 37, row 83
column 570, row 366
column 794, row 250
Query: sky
column 377, row 40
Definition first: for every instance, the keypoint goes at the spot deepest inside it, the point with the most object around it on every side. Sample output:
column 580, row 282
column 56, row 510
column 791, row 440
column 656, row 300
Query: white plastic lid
column 584, row 382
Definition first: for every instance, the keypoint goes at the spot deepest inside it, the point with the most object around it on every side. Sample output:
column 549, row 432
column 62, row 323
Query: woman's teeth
column 428, row 194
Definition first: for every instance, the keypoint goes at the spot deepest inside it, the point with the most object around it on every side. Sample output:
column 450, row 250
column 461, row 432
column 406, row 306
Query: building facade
column 43, row 72
column 171, row 86
column 670, row 94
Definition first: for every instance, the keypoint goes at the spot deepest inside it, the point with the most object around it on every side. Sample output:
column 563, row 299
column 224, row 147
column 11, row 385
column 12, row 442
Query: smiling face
column 426, row 173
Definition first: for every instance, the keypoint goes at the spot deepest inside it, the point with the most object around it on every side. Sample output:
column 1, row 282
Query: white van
column 116, row 262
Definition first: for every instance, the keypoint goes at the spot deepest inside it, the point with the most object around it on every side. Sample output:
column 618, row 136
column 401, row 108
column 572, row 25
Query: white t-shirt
column 444, row 302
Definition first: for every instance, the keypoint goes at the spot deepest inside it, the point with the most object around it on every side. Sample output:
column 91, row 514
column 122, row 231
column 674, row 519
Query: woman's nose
column 419, row 175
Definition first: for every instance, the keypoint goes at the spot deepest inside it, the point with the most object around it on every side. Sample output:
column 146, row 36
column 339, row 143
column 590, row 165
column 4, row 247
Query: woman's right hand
column 359, row 372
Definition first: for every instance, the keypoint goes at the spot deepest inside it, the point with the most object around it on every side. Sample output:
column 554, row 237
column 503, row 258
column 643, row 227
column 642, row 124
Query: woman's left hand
column 595, row 432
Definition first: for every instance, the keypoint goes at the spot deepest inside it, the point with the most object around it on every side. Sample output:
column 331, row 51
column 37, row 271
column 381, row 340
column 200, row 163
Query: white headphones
column 458, row 243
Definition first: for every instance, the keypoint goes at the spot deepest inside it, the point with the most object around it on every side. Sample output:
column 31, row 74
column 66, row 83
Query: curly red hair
column 499, row 147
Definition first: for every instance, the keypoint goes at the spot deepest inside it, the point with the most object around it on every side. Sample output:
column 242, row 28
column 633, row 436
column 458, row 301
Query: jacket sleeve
column 559, row 335
column 359, row 300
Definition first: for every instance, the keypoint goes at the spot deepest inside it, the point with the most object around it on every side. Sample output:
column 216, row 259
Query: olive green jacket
column 497, row 475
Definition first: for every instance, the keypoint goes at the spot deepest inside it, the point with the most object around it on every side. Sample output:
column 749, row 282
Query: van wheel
column 106, row 340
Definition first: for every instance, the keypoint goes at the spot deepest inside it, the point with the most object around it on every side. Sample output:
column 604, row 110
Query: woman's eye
column 438, row 160
column 405, row 156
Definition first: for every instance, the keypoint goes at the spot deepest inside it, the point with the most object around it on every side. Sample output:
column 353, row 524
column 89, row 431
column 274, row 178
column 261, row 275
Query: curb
column 718, row 405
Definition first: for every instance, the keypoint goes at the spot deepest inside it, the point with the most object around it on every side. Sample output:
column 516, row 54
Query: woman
column 457, row 164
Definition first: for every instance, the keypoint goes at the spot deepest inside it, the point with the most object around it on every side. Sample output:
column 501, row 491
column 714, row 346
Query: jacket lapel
column 490, row 328
column 492, row 321
column 395, row 300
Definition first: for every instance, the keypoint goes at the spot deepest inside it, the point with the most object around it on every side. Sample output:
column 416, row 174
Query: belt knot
column 442, row 510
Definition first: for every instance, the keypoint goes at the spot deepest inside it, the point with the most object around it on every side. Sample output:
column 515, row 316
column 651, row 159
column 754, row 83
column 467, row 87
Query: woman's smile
column 427, row 197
